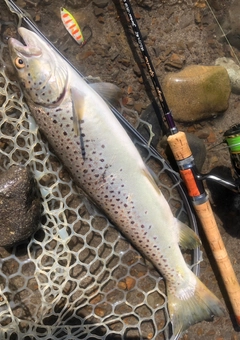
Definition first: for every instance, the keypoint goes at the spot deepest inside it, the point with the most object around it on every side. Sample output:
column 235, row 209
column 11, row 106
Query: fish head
column 41, row 72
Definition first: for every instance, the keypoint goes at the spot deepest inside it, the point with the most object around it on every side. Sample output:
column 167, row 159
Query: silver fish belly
column 103, row 161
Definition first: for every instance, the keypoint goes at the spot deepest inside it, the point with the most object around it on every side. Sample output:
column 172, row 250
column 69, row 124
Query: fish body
column 71, row 25
column 104, row 162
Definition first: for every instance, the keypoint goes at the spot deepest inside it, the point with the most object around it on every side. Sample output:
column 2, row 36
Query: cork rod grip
column 205, row 214
column 179, row 146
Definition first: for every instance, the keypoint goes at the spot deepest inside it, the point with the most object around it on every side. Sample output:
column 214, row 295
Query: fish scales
column 103, row 165
column 103, row 169
column 104, row 162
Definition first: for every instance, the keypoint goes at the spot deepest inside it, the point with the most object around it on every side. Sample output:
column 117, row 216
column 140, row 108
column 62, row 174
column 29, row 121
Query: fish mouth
column 29, row 47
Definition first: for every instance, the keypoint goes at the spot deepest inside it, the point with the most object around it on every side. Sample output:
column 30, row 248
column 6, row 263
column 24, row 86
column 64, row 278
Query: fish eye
column 19, row 63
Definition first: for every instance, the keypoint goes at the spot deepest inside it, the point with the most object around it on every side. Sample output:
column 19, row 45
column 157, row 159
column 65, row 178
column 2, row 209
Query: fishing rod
column 167, row 112
column 188, row 171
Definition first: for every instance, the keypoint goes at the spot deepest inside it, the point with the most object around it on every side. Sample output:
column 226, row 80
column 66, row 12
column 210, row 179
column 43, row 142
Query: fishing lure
column 72, row 27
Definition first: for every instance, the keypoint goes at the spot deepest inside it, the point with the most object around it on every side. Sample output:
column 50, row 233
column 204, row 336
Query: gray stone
column 20, row 207
column 231, row 24
column 145, row 3
column 78, row 3
column 100, row 3
column 233, row 72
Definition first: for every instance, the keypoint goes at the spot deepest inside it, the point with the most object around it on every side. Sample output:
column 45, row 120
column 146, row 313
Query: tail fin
column 202, row 305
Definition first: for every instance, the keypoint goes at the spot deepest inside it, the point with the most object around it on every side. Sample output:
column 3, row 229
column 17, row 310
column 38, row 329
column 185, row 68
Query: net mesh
column 77, row 277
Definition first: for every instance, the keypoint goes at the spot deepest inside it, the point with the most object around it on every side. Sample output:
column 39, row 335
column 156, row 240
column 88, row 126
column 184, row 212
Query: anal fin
column 188, row 239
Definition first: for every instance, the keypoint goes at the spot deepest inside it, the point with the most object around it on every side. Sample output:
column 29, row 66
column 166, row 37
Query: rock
column 20, row 208
column 233, row 72
column 174, row 61
column 77, row 3
column 197, row 92
column 98, row 11
column 100, row 3
column 21, row 3
column 145, row 3
column 37, row 18
column 231, row 24
column 234, row 13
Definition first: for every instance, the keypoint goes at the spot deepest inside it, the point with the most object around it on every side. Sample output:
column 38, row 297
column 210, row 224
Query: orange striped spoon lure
column 73, row 28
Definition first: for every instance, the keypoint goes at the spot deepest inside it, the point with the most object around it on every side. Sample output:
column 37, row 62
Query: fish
column 72, row 26
column 103, row 161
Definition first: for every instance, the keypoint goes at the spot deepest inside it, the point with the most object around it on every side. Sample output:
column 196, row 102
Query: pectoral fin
column 78, row 109
column 78, row 105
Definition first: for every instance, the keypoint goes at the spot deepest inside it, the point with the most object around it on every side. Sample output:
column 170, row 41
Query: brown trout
column 104, row 162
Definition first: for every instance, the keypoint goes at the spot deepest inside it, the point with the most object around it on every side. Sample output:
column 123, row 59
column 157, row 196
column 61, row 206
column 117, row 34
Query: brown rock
column 175, row 60
column 197, row 92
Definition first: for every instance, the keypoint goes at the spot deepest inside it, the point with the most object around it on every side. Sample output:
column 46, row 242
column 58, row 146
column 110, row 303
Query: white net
column 77, row 277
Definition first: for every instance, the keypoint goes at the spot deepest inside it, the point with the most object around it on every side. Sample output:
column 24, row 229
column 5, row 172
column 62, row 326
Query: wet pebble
column 174, row 61
column 98, row 11
column 21, row 3
column 20, row 207
column 77, row 3
column 197, row 92
column 233, row 72
column 145, row 3
column 100, row 3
